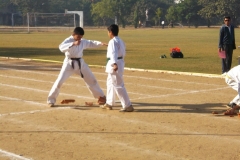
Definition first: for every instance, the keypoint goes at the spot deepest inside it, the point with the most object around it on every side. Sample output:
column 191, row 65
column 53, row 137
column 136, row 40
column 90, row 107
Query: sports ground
column 172, row 119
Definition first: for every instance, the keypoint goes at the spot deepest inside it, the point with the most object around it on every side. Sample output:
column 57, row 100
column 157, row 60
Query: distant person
column 162, row 24
column 227, row 43
column 171, row 24
column 139, row 24
column 232, row 78
column 116, row 52
column 73, row 47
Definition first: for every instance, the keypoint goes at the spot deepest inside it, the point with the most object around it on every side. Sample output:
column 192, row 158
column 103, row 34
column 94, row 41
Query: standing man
column 116, row 52
column 227, row 43
column 73, row 47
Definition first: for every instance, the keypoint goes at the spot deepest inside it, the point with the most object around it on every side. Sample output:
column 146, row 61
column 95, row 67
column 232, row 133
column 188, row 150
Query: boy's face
column 77, row 37
column 110, row 35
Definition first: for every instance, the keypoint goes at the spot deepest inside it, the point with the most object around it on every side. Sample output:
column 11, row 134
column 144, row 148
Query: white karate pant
column 67, row 71
column 232, row 83
column 115, row 84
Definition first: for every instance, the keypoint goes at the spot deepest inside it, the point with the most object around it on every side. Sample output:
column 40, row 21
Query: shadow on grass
column 52, row 54
column 40, row 53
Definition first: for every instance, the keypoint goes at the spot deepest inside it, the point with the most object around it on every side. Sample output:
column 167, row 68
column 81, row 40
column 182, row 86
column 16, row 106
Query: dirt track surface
column 172, row 119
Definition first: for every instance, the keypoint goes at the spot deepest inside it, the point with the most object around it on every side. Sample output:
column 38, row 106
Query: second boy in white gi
column 115, row 67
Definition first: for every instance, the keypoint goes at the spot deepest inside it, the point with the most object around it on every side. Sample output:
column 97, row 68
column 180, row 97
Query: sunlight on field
column 144, row 47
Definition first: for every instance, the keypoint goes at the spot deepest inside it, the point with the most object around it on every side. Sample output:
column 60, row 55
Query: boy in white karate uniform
column 233, row 80
column 115, row 67
column 73, row 47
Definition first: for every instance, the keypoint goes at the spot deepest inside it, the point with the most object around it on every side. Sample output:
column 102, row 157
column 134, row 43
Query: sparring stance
column 73, row 47
column 114, row 68
column 233, row 80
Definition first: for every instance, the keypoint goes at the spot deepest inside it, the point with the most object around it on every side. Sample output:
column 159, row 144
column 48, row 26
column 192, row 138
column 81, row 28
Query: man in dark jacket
column 227, row 43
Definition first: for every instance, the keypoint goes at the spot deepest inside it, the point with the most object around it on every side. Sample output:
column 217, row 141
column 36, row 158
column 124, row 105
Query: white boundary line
column 182, row 93
column 130, row 69
column 145, row 97
column 84, row 86
column 22, row 158
column 12, row 155
column 39, row 90
column 138, row 77
column 22, row 100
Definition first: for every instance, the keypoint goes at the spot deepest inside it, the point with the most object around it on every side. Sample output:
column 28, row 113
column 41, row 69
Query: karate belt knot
column 79, row 64
column 117, row 58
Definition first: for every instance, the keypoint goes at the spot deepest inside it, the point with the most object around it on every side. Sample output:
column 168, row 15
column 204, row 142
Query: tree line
column 129, row 12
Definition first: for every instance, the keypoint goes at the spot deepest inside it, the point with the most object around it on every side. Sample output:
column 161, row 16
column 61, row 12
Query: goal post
column 53, row 21
column 80, row 13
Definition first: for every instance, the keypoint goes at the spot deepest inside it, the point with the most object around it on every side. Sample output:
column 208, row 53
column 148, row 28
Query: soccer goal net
column 51, row 21
column 43, row 22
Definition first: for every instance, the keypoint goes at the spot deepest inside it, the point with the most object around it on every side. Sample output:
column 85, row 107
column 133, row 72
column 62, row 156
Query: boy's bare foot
column 232, row 111
column 101, row 100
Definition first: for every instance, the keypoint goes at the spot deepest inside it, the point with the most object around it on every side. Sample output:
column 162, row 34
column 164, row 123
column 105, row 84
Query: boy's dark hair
column 114, row 29
column 227, row 17
column 78, row 31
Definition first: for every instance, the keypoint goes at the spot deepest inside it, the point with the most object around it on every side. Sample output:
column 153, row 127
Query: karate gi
column 115, row 54
column 77, row 66
column 233, row 80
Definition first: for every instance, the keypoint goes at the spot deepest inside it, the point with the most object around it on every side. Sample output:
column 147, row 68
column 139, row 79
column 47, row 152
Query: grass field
column 144, row 47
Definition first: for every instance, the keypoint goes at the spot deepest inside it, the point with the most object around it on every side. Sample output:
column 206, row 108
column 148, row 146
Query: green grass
column 144, row 47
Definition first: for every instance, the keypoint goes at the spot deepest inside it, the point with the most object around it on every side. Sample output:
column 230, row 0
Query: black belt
column 117, row 58
column 79, row 64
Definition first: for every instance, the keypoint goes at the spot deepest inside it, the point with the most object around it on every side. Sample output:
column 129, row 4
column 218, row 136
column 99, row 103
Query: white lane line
column 137, row 149
column 175, row 81
column 22, row 100
column 39, row 90
column 45, row 128
column 84, row 86
column 104, row 81
column 182, row 93
column 145, row 97
column 34, row 111
column 136, row 121
column 137, row 77
column 30, row 102
column 12, row 155
column 166, row 128
column 126, row 68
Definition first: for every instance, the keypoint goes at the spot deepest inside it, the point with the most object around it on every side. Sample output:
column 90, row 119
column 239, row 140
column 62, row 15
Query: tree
column 136, row 19
column 172, row 14
column 220, row 8
column 191, row 8
column 158, row 16
column 103, row 10
column 208, row 10
column 186, row 11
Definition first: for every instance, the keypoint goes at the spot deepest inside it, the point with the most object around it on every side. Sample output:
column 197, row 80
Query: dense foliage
column 129, row 12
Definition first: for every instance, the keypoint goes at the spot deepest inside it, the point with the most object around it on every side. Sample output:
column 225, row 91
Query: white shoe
column 224, row 74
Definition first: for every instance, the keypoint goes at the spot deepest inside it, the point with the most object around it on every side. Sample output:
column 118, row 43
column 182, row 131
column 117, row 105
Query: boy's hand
column 115, row 67
column 76, row 43
column 104, row 44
